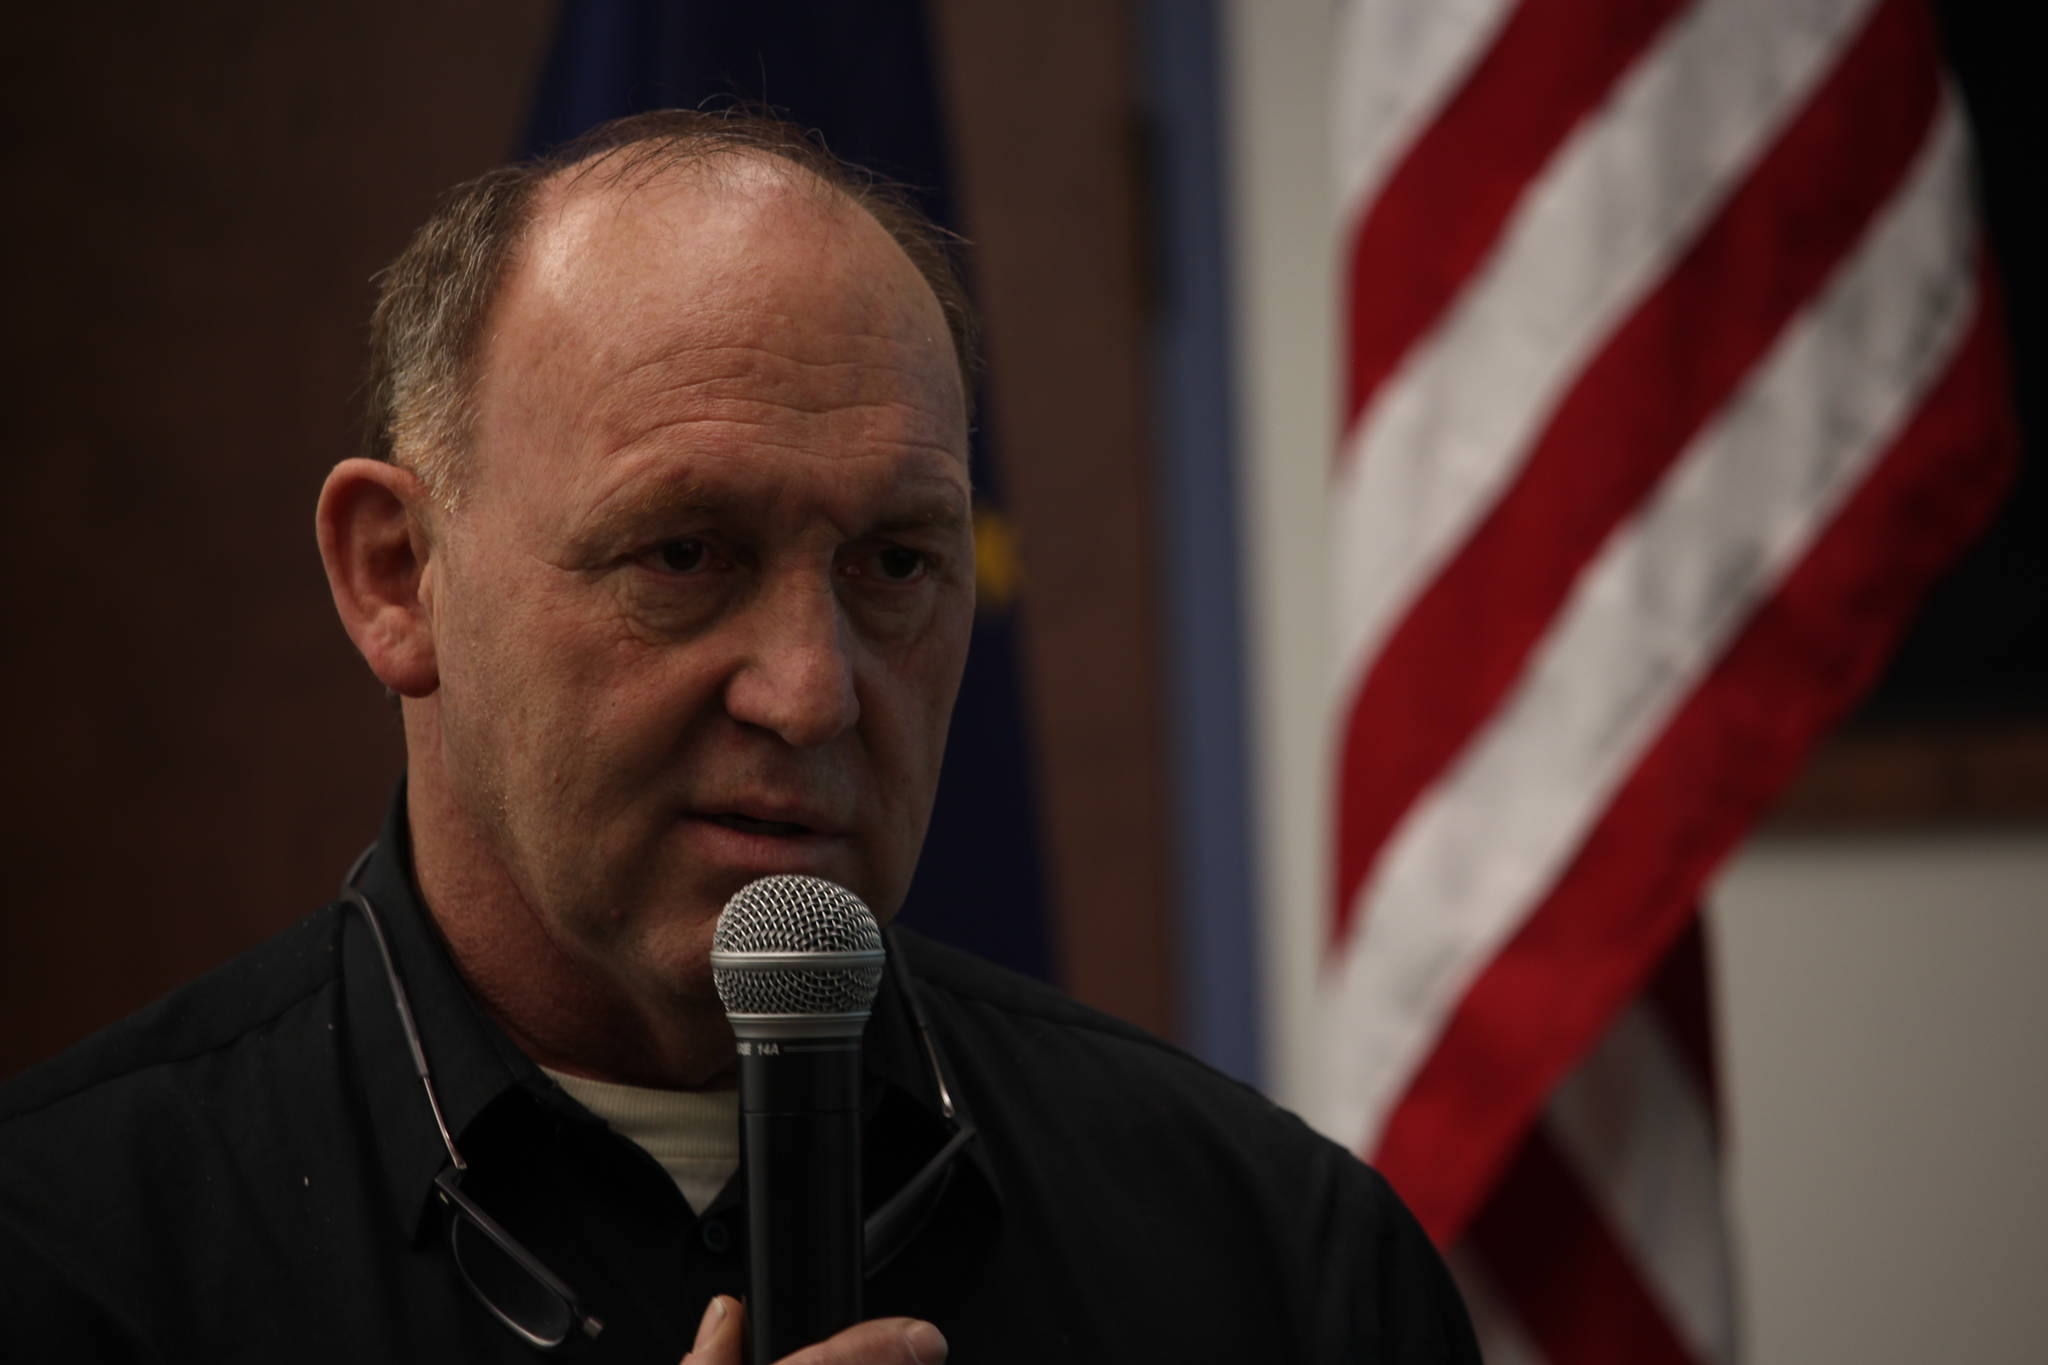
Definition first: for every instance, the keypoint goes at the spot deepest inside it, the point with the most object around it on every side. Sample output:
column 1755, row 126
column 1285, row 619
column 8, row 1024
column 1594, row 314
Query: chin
column 667, row 944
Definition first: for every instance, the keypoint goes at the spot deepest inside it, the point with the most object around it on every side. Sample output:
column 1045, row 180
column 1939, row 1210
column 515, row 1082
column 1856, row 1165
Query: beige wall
column 1276, row 82
column 1885, row 1025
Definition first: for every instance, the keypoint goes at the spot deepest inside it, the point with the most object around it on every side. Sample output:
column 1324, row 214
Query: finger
column 885, row 1341
column 719, row 1333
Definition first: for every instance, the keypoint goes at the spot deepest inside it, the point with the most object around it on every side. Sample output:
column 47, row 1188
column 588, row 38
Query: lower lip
column 820, row 855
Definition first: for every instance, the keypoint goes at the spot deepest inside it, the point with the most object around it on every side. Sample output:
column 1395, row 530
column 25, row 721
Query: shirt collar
column 480, row 1075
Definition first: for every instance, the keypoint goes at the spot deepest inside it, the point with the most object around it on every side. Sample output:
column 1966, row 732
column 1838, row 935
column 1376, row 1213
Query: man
column 667, row 552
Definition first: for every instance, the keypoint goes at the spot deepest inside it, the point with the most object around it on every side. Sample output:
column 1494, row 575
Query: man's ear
column 373, row 541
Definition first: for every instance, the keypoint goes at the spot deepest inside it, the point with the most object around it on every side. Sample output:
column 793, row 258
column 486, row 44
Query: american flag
column 1672, row 380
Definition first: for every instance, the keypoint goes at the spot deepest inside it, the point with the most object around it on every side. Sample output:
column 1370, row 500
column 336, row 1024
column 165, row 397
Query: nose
column 796, row 677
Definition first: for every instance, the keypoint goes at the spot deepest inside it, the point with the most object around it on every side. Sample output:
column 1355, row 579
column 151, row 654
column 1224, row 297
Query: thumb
column 719, row 1334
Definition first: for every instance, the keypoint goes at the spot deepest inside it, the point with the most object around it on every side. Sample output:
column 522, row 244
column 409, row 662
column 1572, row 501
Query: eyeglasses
column 535, row 1303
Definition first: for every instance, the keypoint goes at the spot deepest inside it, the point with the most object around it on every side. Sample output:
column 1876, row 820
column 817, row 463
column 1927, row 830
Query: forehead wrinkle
column 670, row 491
column 736, row 426
column 689, row 366
column 737, row 404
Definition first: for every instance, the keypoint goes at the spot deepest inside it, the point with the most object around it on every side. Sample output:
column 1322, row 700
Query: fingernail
column 927, row 1344
column 714, row 1314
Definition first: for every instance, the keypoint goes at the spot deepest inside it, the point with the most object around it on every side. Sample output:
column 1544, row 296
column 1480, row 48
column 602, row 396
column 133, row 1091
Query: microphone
column 796, row 961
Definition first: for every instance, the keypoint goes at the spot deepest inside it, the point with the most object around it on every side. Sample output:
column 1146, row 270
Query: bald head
column 790, row 300
column 435, row 299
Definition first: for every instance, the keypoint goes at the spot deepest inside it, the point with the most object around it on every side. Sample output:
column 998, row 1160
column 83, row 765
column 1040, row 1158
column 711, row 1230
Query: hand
column 884, row 1341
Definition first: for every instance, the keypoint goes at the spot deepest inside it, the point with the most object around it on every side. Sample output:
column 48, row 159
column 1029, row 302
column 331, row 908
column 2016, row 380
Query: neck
column 557, row 1002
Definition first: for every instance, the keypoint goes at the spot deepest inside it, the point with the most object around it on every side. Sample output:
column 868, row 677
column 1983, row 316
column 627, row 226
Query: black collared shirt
column 245, row 1171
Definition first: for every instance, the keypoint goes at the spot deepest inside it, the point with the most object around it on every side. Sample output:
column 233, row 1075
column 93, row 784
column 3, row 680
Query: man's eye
column 899, row 565
column 682, row 556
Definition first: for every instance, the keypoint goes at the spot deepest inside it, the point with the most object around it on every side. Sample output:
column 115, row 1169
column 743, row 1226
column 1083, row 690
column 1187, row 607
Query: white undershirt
column 694, row 1134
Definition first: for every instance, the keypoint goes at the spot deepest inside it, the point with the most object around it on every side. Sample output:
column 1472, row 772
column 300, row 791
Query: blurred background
column 1138, row 800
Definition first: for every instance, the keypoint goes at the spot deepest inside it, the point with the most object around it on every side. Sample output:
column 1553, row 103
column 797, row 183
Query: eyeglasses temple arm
column 405, row 1019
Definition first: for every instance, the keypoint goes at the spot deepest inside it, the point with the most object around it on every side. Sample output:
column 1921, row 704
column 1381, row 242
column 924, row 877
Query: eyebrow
column 930, row 502
column 942, row 504
column 642, row 502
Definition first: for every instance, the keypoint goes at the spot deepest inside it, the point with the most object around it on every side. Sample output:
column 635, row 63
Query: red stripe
column 1804, row 657
column 1443, row 207
column 1659, row 379
column 1554, row 1260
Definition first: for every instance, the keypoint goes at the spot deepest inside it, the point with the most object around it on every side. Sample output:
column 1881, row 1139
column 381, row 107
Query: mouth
column 747, row 824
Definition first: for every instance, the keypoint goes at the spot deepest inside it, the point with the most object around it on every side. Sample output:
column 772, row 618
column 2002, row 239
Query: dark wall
column 200, row 202
column 197, row 198
column 1979, row 651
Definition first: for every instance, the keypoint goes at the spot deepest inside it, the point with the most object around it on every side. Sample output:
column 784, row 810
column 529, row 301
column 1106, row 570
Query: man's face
column 702, row 610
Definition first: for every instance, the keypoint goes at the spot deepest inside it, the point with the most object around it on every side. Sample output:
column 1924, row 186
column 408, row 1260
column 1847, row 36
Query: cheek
column 500, row 665
column 527, row 674
column 906, row 727
column 949, row 661
column 624, row 712
column 918, row 698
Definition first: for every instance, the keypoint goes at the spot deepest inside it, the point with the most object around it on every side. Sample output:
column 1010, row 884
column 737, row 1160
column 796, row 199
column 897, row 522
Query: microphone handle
column 800, row 1140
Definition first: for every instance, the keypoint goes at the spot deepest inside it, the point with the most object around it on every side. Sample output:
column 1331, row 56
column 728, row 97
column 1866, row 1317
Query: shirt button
column 716, row 1238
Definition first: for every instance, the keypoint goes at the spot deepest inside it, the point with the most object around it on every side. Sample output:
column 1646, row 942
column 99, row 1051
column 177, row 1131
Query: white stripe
column 1478, row 852
column 1599, row 229
column 1632, row 1122
column 1398, row 63
column 1501, row 1338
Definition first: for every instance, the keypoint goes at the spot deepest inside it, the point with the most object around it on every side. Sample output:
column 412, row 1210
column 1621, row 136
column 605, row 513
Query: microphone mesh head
column 795, row 914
